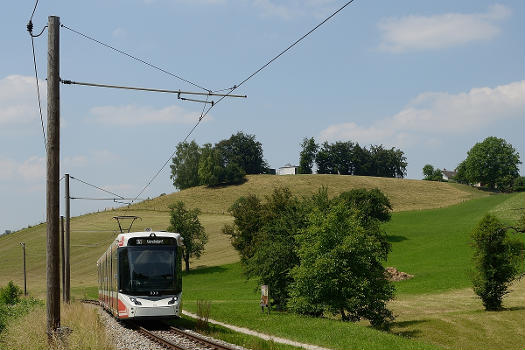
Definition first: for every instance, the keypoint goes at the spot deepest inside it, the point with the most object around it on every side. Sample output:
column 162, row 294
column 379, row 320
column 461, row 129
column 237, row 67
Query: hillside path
column 260, row 335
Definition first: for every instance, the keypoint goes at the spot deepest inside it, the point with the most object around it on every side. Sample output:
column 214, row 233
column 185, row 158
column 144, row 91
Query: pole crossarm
column 178, row 92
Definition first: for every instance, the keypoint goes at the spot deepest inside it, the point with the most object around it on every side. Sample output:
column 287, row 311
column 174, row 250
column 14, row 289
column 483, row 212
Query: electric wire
column 30, row 31
column 97, row 187
column 101, row 199
column 134, row 58
column 34, row 9
column 235, row 87
column 178, row 92
column 38, row 94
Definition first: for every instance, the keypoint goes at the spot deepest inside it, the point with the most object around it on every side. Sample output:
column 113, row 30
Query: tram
column 140, row 275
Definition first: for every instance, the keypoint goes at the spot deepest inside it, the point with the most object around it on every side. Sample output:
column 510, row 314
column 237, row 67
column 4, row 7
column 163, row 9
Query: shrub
column 496, row 261
column 10, row 294
column 519, row 184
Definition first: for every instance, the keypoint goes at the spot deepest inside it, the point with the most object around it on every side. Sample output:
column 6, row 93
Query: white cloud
column 32, row 169
column 414, row 32
column 133, row 115
column 18, row 101
column 434, row 114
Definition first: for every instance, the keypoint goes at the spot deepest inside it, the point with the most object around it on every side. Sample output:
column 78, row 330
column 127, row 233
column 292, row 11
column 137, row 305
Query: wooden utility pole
column 53, row 171
column 62, row 260
column 25, row 275
column 67, row 244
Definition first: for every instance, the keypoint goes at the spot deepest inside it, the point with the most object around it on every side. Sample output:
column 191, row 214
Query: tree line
column 227, row 162
column 230, row 160
column 349, row 158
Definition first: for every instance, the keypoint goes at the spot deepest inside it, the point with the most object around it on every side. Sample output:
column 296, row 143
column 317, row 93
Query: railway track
column 170, row 337
column 177, row 339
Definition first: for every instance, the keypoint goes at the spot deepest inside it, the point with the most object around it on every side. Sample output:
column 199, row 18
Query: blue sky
column 431, row 78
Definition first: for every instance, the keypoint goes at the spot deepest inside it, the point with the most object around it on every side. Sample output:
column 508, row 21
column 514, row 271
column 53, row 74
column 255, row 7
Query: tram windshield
column 149, row 270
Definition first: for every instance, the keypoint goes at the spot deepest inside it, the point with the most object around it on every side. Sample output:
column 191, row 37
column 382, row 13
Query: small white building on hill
column 288, row 169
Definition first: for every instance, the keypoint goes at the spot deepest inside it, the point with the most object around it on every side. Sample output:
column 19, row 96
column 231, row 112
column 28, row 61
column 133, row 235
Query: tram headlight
column 135, row 301
column 172, row 301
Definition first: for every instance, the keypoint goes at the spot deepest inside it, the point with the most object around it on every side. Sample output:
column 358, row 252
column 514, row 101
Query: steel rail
column 199, row 339
column 159, row 340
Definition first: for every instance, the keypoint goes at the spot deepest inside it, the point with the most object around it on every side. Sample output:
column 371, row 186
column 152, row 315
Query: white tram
column 139, row 275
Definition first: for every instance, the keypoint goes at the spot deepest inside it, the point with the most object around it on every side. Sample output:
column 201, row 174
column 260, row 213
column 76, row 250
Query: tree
column 307, row 155
column 388, row 162
column 340, row 267
column 274, row 255
column 245, row 151
column 461, row 174
column 186, row 222
column 496, row 261
column 493, row 162
column 247, row 214
column 432, row 174
column 185, row 167
column 371, row 204
column 213, row 169
column 323, row 160
column 263, row 234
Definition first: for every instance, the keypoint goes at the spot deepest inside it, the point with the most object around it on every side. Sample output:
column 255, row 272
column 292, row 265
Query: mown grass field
column 92, row 233
column 429, row 233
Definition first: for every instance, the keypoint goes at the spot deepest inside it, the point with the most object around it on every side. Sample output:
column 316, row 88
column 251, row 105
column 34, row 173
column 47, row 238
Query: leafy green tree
column 340, row 267
column 432, row 174
column 388, row 162
column 461, row 174
column 496, row 261
column 263, row 234
column 213, row 171
column 274, row 255
column 307, row 156
column 185, row 167
column 323, row 160
column 371, row 204
column 186, row 222
column 519, row 184
column 210, row 170
column 245, row 151
column 247, row 214
column 493, row 162
column 363, row 163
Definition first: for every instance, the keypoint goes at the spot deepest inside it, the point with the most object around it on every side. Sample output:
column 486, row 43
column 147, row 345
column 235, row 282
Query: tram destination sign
column 140, row 241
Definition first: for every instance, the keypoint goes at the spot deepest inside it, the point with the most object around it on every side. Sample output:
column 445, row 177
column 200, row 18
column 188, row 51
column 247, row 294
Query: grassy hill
column 92, row 233
column 429, row 232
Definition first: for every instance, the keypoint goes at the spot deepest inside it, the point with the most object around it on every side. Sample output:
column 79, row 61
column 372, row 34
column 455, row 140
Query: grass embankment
column 436, row 307
column 29, row 331
column 92, row 233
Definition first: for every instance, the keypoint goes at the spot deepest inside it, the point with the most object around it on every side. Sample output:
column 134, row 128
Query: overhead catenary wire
column 101, row 199
column 38, row 94
column 235, row 87
column 178, row 92
column 97, row 187
column 135, row 58
column 32, row 36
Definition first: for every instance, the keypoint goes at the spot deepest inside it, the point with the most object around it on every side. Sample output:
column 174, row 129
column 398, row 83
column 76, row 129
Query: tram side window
column 124, row 274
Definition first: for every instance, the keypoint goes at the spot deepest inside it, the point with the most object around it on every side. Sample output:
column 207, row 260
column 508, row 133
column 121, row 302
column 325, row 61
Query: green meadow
column 429, row 232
